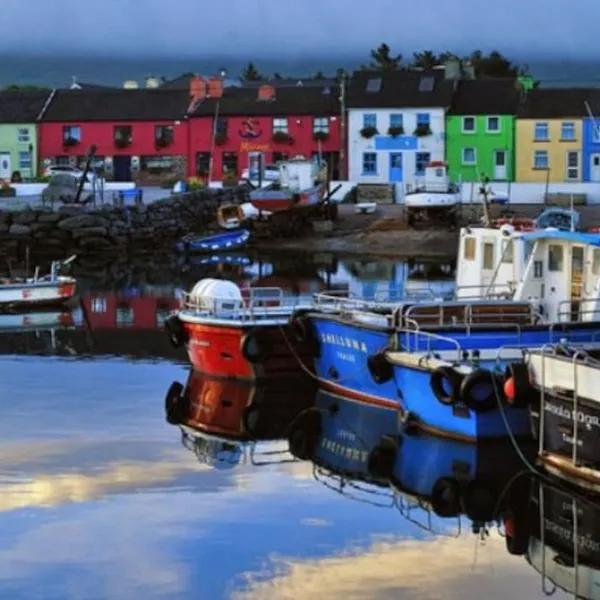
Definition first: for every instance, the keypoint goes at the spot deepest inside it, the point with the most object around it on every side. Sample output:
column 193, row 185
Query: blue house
column 590, row 148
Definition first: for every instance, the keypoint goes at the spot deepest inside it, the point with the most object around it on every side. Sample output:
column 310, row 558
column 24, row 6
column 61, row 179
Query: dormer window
column 123, row 136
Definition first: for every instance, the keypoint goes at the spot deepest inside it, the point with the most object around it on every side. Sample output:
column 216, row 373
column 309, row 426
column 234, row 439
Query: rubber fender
column 445, row 385
column 382, row 459
column 253, row 346
column 479, row 502
column 380, row 368
column 516, row 529
column 471, row 391
column 445, row 497
column 174, row 403
column 304, row 434
column 175, row 331
column 252, row 421
column 304, row 333
column 523, row 389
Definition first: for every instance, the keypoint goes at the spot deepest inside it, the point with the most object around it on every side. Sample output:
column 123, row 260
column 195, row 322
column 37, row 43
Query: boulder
column 25, row 217
column 20, row 230
column 89, row 231
column 49, row 218
column 82, row 221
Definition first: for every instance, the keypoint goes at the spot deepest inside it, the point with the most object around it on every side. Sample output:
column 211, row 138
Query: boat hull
column 36, row 295
column 225, row 242
column 278, row 200
column 218, row 350
column 31, row 321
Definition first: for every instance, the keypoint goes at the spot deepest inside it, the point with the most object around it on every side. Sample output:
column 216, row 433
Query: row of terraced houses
column 381, row 127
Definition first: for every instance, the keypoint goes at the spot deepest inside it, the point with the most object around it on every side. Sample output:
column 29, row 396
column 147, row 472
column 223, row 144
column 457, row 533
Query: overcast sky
column 182, row 28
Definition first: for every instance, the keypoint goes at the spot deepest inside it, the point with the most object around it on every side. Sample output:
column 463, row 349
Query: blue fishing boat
column 220, row 242
column 222, row 259
column 442, row 363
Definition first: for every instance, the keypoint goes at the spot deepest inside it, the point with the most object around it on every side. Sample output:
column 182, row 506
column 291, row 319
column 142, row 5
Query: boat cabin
column 557, row 270
column 298, row 174
column 435, row 179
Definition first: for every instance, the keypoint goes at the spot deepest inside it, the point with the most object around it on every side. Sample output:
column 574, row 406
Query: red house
column 140, row 134
column 237, row 125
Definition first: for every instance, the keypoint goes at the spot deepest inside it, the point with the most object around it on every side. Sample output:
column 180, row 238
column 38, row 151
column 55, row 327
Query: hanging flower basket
column 69, row 142
column 422, row 130
column 122, row 142
column 396, row 131
column 368, row 132
column 320, row 136
column 162, row 143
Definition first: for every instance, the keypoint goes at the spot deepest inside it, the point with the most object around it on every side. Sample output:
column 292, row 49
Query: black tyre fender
column 304, row 434
column 516, row 529
column 478, row 501
column 445, row 384
column 253, row 346
column 477, row 402
column 175, row 331
column 445, row 497
column 522, row 386
column 382, row 459
column 304, row 333
column 174, row 403
column 380, row 368
column 251, row 420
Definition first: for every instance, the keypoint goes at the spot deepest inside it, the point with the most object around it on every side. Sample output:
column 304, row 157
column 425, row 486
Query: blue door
column 396, row 166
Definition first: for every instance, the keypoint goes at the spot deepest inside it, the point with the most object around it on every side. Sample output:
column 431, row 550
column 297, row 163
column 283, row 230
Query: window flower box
column 422, row 130
column 281, row 137
column 320, row 136
column 395, row 131
column 368, row 132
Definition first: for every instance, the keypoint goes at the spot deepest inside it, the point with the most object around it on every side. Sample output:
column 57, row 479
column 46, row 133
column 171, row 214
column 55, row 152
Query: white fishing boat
column 34, row 321
column 38, row 291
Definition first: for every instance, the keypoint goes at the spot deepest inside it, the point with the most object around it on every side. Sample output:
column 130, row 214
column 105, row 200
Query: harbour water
column 100, row 499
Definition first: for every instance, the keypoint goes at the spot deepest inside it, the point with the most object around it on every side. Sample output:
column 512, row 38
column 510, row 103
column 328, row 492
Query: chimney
column 197, row 88
column 266, row 92
column 215, row 87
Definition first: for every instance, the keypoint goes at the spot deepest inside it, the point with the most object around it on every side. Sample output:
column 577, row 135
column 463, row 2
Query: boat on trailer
column 239, row 333
column 443, row 364
column 29, row 293
column 301, row 183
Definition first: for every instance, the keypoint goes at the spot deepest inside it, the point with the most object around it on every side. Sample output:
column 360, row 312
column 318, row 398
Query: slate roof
column 548, row 103
column 117, row 105
column 22, row 106
column 399, row 89
column 309, row 100
column 486, row 97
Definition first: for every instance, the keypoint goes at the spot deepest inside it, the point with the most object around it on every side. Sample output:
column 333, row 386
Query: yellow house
column 548, row 140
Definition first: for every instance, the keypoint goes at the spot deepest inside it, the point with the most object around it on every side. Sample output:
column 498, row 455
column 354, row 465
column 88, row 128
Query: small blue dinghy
column 220, row 242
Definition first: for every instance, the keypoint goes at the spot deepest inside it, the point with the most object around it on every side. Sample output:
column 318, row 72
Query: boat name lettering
column 571, row 440
column 344, row 342
column 344, row 451
column 561, row 411
column 348, row 435
column 583, row 541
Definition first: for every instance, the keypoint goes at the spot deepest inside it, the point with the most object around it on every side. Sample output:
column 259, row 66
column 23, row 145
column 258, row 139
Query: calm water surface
column 99, row 499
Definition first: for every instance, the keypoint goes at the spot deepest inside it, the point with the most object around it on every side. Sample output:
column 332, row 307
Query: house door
column 122, row 168
column 499, row 164
column 5, row 169
column 256, row 165
column 595, row 167
column 396, row 166
column 576, row 280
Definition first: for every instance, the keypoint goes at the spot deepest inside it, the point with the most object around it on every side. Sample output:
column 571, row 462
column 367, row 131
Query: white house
column 396, row 125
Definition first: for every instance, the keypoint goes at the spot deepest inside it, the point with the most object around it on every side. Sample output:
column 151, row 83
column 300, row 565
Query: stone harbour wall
column 108, row 229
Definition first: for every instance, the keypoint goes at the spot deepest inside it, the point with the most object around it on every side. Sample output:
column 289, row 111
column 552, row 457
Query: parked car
column 270, row 173
column 68, row 170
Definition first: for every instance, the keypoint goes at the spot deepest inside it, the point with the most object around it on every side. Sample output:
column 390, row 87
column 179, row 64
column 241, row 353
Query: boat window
column 538, row 269
column 469, row 248
column 596, row 262
column 555, row 258
column 507, row 251
column 488, row 256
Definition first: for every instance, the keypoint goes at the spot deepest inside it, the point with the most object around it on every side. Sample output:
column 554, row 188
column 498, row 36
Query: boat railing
column 413, row 337
column 570, row 311
column 254, row 303
column 407, row 505
column 489, row 291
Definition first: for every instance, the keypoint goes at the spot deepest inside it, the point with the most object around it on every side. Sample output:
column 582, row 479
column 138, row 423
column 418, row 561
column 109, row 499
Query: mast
column 344, row 170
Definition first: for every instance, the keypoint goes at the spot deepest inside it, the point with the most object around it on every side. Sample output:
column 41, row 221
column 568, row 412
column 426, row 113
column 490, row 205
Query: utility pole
column 344, row 168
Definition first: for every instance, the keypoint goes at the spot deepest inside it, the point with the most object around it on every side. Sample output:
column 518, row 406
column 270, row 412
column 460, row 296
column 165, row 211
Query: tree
column 382, row 59
column 319, row 75
column 494, row 64
column 426, row 59
column 277, row 76
column 251, row 73
column 25, row 88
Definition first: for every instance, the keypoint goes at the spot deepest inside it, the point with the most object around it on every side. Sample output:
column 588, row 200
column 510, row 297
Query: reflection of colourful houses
column 590, row 156
column 480, row 130
column 549, row 140
column 396, row 125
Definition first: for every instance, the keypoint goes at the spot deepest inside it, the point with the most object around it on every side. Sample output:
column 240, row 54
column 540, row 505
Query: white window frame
column 463, row 123
column 541, row 124
column 487, row 124
column 25, row 160
column 469, row 162
column 568, row 169
column 280, row 125
column 540, row 152
column 23, row 135
column 564, row 138
column 321, row 125
column 376, row 172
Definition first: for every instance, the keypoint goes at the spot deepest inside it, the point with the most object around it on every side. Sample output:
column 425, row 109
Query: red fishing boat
column 301, row 182
column 239, row 334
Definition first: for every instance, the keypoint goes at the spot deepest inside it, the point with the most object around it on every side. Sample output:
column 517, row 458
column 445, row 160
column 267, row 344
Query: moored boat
column 29, row 293
column 299, row 184
column 239, row 333
column 220, row 242
column 514, row 290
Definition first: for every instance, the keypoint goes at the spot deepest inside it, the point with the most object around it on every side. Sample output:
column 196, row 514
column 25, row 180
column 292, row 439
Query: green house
column 480, row 130
column 19, row 113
